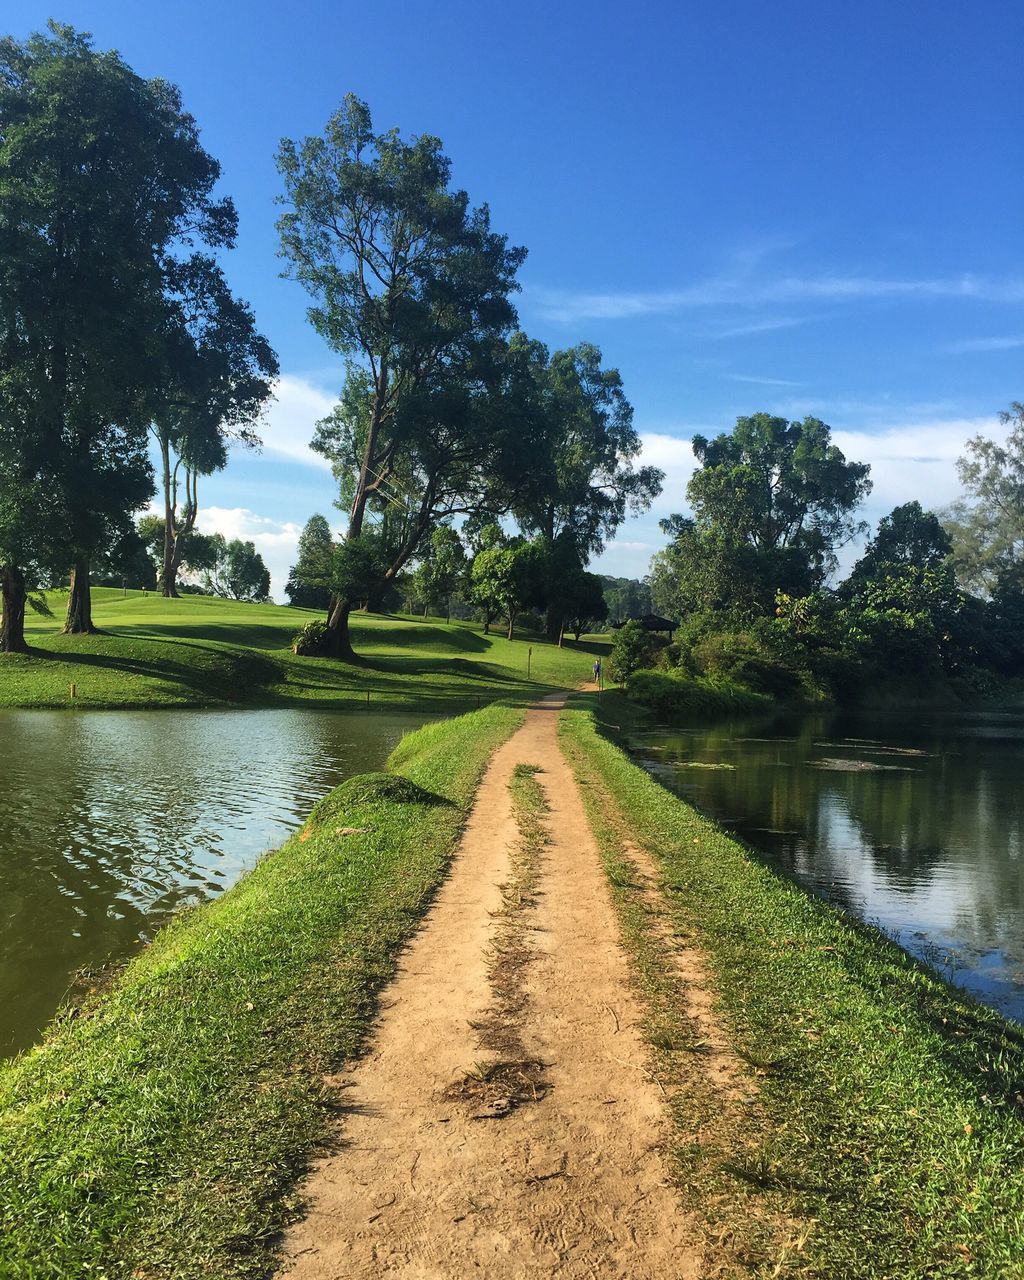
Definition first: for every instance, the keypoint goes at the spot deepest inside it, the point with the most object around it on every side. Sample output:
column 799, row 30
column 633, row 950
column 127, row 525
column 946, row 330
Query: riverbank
column 200, row 651
column 886, row 1109
column 160, row 1131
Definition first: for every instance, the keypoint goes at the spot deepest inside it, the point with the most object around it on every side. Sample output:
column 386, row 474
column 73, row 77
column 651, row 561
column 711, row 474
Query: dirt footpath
column 428, row 1181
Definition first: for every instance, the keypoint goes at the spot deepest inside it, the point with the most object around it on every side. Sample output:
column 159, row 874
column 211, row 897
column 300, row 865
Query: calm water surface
column 109, row 822
column 913, row 823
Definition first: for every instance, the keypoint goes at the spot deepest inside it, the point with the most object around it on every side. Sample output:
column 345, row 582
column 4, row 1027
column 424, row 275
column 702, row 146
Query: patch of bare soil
column 433, row 1179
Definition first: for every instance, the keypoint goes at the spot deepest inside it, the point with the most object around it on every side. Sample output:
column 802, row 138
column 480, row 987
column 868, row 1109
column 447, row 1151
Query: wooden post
column 71, row 690
column 529, row 661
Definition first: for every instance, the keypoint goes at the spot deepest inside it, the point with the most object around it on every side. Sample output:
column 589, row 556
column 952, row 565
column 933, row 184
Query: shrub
column 312, row 639
column 675, row 694
column 632, row 648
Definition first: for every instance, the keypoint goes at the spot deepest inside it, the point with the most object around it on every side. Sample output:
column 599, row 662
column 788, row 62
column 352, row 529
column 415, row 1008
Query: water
column 109, row 822
column 914, row 823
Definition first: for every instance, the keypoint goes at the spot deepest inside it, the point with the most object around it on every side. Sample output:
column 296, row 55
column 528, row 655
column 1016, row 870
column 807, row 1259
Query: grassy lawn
column 890, row 1107
column 160, row 1133
column 201, row 651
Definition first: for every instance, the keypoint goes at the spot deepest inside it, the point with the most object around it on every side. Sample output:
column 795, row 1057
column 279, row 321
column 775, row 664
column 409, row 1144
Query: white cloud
column 675, row 457
column 984, row 344
column 739, row 288
column 288, row 426
column 275, row 540
column 764, row 382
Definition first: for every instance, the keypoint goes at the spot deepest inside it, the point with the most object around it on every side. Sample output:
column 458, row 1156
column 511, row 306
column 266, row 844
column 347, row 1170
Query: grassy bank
column 160, row 1132
column 201, row 651
column 678, row 694
column 890, row 1107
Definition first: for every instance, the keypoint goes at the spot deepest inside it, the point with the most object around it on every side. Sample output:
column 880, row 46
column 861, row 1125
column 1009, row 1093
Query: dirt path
column 574, row 1184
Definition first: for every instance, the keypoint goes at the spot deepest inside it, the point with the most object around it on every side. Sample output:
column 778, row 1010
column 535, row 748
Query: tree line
column 936, row 600
column 121, row 336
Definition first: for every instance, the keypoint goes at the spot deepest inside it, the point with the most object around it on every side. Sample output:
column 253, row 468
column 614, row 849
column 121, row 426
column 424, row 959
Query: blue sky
column 799, row 207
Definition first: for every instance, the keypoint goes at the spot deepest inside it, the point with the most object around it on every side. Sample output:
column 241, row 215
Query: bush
column 632, row 648
column 675, row 694
column 312, row 639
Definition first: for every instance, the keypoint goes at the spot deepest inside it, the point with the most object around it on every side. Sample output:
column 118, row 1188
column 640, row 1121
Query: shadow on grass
column 224, row 675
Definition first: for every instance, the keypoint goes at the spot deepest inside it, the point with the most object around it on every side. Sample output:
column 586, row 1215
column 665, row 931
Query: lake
column 913, row 822
column 112, row 821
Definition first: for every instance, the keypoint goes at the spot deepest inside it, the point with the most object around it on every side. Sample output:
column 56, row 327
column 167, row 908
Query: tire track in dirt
column 572, row 1185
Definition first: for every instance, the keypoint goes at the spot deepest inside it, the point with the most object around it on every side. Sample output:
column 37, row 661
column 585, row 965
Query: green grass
column 201, row 651
column 891, row 1106
column 161, row 1132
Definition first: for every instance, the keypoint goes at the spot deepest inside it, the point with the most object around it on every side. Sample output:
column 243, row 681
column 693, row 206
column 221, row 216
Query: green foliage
column 987, row 528
column 412, row 286
column 103, row 266
column 309, row 582
column 624, row 596
column 312, row 638
column 581, row 481
column 506, row 580
column 443, row 569
column 674, row 693
column 632, row 648
column 237, row 571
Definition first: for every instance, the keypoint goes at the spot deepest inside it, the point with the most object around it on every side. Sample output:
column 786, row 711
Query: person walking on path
column 597, row 674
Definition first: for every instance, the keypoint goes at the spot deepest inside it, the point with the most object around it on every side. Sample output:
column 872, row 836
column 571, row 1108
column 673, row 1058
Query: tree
column 987, row 528
column 412, row 286
column 909, row 535
column 632, row 648
column 217, row 380
column 782, row 488
column 582, row 603
column 309, row 582
column 442, row 570
column 708, row 570
column 196, row 552
column 105, row 189
column 626, row 596
column 582, row 481
column 126, row 562
column 238, row 571
column 508, row 580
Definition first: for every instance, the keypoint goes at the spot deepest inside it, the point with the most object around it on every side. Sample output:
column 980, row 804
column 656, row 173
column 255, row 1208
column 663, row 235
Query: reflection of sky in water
column 915, row 825
column 112, row 821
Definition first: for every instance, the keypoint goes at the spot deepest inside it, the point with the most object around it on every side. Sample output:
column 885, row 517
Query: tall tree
column 908, row 535
column 442, row 570
column 412, row 286
column 782, row 488
column 309, row 582
column 217, row 379
column 105, row 191
column 987, row 527
column 582, row 481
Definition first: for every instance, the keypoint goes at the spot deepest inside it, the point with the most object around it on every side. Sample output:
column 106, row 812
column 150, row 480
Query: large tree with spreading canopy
column 412, row 287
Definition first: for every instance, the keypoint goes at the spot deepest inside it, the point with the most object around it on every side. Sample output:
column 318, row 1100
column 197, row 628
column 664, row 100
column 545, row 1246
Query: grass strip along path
column 200, row 651
column 882, row 1111
column 159, row 1134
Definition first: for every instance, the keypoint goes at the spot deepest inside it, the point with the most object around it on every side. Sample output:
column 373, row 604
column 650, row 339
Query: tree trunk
column 12, row 610
column 487, row 624
column 339, row 645
column 79, row 616
column 168, row 567
column 511, row 624
column 561, row 635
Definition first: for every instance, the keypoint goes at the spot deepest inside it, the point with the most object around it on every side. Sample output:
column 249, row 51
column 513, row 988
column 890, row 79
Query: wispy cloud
column 769, row 325
column 763, row 382
column 984, row 344
column 738, row 288
column 288, row 428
